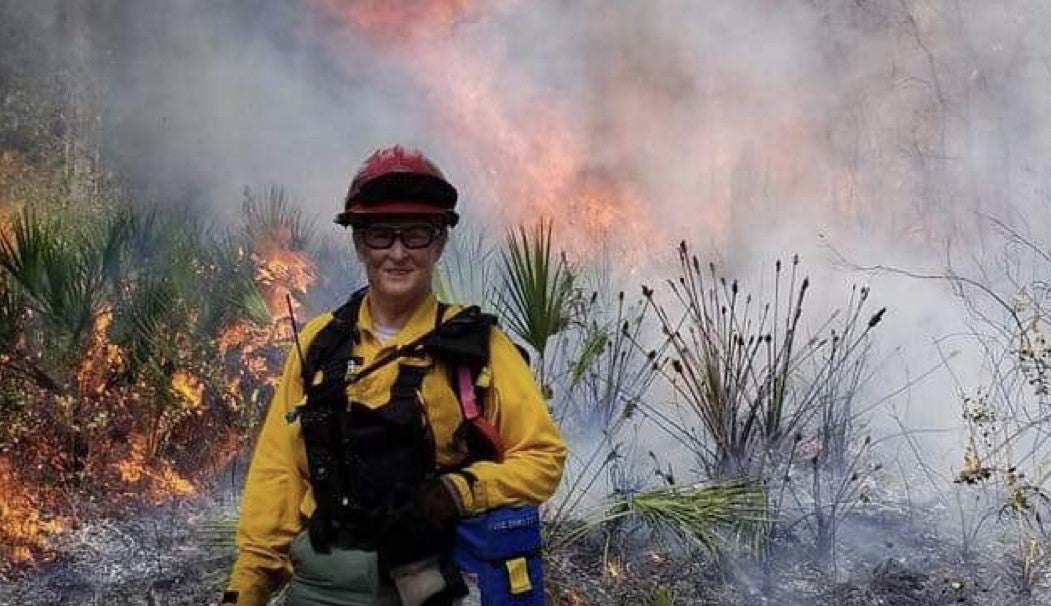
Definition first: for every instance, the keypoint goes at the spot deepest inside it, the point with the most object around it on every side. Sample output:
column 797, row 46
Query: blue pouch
column 502, row 549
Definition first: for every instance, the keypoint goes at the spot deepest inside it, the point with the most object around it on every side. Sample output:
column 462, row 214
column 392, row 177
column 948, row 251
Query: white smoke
column 755, row 129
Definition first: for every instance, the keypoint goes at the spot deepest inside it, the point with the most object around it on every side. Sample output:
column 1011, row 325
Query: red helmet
column 398, row 180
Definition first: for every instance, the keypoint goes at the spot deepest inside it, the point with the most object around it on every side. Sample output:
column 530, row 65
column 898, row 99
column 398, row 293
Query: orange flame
column 659, row 140
column 161, row 484
column 379, row 16
column 280, row 270
column 133, row 468
column 101, row 358
column 24, row 530
column 189, row 388
column 528, row 154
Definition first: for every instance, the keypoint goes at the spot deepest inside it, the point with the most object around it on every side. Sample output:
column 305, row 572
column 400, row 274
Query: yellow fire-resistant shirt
column 277, row 498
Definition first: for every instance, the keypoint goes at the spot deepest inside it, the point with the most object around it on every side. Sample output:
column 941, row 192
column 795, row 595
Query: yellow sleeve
column 274, row 490
column 534, row 450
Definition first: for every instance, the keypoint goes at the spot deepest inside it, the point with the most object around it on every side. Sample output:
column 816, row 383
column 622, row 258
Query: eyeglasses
column 411, row 236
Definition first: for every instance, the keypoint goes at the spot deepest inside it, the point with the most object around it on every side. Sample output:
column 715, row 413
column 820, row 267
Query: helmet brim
column 401, row 209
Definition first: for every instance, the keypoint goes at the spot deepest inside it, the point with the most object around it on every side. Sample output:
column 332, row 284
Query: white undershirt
column 384, row 333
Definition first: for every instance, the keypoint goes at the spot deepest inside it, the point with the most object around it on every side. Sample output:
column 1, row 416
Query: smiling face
column 399, row 255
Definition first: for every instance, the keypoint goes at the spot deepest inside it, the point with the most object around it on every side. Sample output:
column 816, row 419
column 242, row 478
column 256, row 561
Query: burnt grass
column 173, row 554
column 180, row 554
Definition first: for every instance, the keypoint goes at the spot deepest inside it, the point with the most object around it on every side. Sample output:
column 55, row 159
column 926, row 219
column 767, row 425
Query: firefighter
column 369, row 456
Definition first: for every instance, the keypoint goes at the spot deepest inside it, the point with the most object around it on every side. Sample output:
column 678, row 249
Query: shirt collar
column 421, row 321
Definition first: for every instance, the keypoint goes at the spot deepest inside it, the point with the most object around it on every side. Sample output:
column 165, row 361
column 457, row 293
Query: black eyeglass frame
column 398, row 233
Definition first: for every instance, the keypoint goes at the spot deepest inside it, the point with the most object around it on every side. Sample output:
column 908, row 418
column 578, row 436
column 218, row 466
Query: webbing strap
column 408, row 382
column 472, row 414
column 467, row 400
column 330, row 350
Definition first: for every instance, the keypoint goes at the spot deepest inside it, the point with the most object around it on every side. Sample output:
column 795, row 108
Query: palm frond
column 26, row 248
column 59, row 269
column 715, row 517
column 537, row 288
column 144, row 323
column 111, row 240
column 246, row 301
column 271, row 214
column 234, row 294
column 595, row 341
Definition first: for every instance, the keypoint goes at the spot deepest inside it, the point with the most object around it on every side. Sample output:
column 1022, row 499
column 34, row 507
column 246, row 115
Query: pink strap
column 467, row 401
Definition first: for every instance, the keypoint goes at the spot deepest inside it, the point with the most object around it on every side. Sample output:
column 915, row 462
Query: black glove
column 438, row 505
column 416, row 544
column 420, row 529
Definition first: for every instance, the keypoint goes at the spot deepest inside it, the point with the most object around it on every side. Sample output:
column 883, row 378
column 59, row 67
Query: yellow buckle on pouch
column 518, row 574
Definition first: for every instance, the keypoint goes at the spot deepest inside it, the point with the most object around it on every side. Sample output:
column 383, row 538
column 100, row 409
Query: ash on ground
column 177, row 554
column 180, row 554
column 883, row 558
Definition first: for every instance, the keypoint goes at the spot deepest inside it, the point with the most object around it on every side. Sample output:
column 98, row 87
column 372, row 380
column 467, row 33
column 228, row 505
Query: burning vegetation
column 723, row 447
column 138, row 350
column 522, row 142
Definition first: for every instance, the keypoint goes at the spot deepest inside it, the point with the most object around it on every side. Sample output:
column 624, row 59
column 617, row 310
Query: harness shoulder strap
column 329, row 349
column 328, row 354
column 463, row 344
column 486, row 441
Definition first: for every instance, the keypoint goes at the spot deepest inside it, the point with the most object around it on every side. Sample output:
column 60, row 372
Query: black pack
column 364, row 462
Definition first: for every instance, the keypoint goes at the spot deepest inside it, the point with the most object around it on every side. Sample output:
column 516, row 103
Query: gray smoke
column 889, row 130
column 890, row 120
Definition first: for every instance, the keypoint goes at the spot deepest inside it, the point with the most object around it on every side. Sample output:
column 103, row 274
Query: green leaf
column 594, row 344
column 537, row 287
column 61, row 270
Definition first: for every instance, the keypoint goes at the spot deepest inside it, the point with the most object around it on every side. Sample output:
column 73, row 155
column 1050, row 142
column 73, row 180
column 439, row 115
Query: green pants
column 338, row 578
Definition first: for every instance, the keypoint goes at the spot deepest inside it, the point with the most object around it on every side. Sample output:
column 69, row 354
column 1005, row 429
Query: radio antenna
column 295, row 327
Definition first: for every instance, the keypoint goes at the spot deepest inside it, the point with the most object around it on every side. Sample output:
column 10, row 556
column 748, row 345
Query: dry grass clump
column 758, row 396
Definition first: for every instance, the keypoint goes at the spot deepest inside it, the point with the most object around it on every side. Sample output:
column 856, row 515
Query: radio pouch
column 502, row 549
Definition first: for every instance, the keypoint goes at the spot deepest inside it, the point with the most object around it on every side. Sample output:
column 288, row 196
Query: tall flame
column 101, row 358
column 528, row 157
column 279, row 269
column 660, row 137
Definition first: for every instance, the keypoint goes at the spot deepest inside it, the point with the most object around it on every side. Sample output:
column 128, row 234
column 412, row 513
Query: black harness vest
column 365, row 462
